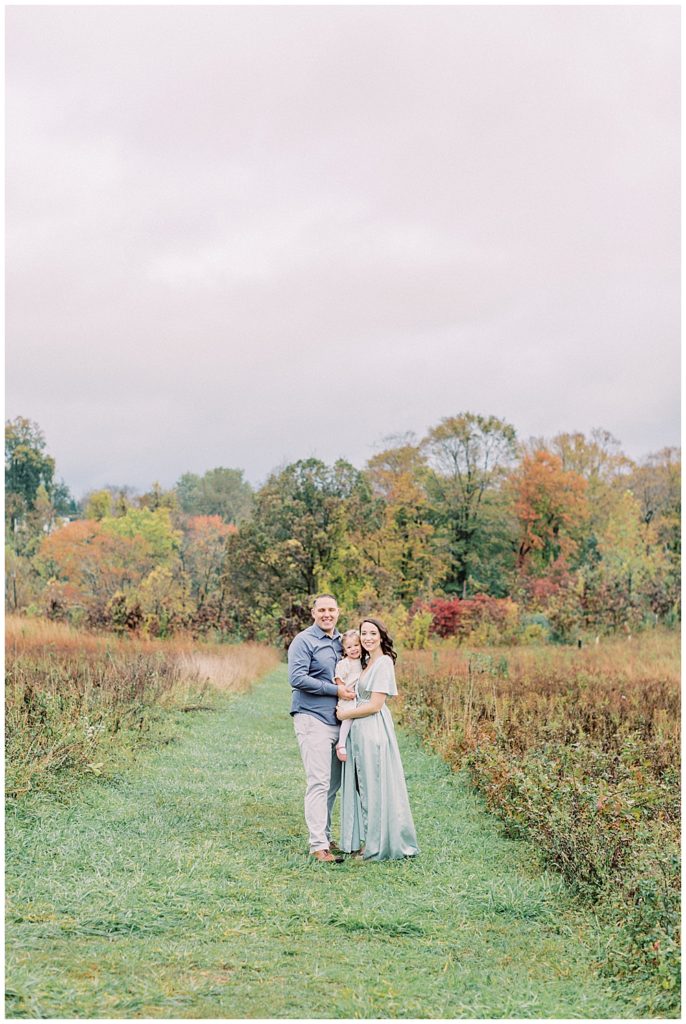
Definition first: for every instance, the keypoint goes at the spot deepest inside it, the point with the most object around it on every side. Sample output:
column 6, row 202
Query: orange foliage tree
column 86, row 566
column 551, row 507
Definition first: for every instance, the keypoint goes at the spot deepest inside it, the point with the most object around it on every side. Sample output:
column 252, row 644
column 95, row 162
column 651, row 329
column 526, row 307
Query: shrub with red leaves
column 458, row 616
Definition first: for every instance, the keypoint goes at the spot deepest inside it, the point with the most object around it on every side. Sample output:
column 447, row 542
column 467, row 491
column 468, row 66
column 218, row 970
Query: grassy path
column 183, row 889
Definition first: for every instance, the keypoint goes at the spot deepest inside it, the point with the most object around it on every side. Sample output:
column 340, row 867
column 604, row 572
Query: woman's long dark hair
column 386, row 641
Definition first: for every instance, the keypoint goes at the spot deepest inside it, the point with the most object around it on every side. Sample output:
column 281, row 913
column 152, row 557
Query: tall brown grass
column 577, row 750
column 530, row 695
column 73, row 696
column 228, row 673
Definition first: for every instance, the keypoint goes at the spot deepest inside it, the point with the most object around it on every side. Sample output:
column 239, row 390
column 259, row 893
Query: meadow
column 576, row 750
column 183, row 889
column 80, row 703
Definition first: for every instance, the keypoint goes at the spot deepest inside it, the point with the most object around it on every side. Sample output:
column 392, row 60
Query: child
column 348, row 672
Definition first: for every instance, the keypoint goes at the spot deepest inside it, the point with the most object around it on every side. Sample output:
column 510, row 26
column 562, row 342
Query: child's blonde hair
column 348, row 635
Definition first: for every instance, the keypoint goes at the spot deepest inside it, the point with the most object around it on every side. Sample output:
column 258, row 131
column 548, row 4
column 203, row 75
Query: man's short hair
column 320, row 596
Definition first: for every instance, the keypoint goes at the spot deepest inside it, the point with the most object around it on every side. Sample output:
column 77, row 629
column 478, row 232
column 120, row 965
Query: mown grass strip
column 183, row 889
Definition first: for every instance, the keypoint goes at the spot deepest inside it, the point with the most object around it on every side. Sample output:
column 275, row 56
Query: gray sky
column 246, row 235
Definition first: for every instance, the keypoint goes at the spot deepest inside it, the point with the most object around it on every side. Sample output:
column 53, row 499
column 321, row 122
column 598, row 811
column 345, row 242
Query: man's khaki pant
column 317, row 743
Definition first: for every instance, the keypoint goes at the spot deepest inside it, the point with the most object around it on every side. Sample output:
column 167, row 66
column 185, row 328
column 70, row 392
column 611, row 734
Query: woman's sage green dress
column 375, row 810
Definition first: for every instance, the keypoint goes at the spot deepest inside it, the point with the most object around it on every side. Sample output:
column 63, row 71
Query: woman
column 375, row 810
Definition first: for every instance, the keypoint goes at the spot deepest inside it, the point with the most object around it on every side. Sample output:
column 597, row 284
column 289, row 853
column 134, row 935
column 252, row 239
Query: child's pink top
column 348, row 671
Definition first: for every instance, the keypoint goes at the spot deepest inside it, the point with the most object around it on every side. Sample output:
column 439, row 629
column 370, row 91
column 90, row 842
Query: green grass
column 182, row 888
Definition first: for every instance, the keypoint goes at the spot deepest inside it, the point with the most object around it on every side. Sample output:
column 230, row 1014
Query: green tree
column 63, row 503
column 155, row 527
column 629, row 581
column 290, row 548
column 98, row 505
column 219, row 492
column 404, row 547
column 35, row 501
column 467, row 455
column 27, row 467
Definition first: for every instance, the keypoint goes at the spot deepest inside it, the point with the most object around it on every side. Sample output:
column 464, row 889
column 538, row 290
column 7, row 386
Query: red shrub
column 457, row 617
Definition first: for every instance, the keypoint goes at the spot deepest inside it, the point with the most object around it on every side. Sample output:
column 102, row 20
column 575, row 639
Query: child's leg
column 342, row 737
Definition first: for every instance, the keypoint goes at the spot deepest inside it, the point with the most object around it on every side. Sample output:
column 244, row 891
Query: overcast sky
column 241, row 236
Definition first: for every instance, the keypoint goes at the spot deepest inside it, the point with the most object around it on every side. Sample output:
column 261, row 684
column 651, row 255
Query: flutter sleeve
column 383, row 679
column 342, row 670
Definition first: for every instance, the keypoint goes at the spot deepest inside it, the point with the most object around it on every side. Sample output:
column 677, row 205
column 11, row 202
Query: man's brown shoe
column 325, row 857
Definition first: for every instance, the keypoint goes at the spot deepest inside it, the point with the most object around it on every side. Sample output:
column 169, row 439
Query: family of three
column 346, row 737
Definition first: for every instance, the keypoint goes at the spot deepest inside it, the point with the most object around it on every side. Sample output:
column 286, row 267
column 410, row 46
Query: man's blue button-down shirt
column 312, row 659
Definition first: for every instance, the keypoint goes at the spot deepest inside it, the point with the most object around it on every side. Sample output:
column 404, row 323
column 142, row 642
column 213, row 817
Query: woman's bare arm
column 371, row 707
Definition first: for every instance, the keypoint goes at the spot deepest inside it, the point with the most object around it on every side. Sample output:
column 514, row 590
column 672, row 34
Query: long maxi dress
column 375, row 809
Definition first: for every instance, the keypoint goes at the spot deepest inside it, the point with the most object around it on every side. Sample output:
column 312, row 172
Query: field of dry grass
column 73, row 696
column 577, row 750
column 530, row 694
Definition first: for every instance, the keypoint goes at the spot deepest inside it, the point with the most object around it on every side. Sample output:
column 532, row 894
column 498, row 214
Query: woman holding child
column 376, row 820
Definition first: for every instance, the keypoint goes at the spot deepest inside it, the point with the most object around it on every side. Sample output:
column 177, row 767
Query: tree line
column 466, row 532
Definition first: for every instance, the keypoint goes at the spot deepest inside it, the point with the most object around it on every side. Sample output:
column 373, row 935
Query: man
column 312, row 658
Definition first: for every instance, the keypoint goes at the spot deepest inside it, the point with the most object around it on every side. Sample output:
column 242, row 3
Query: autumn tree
column 85, row 566
column 157, row 497
column 551, row 507
column 23, row 583
column 602, row 464
column 160, row 602
column 203, row 552
column 631, row 578
column 110, row 500
column 596, row 457
column 355, row 563
column 467, row 455
column 404, row 547
column 656, row 485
